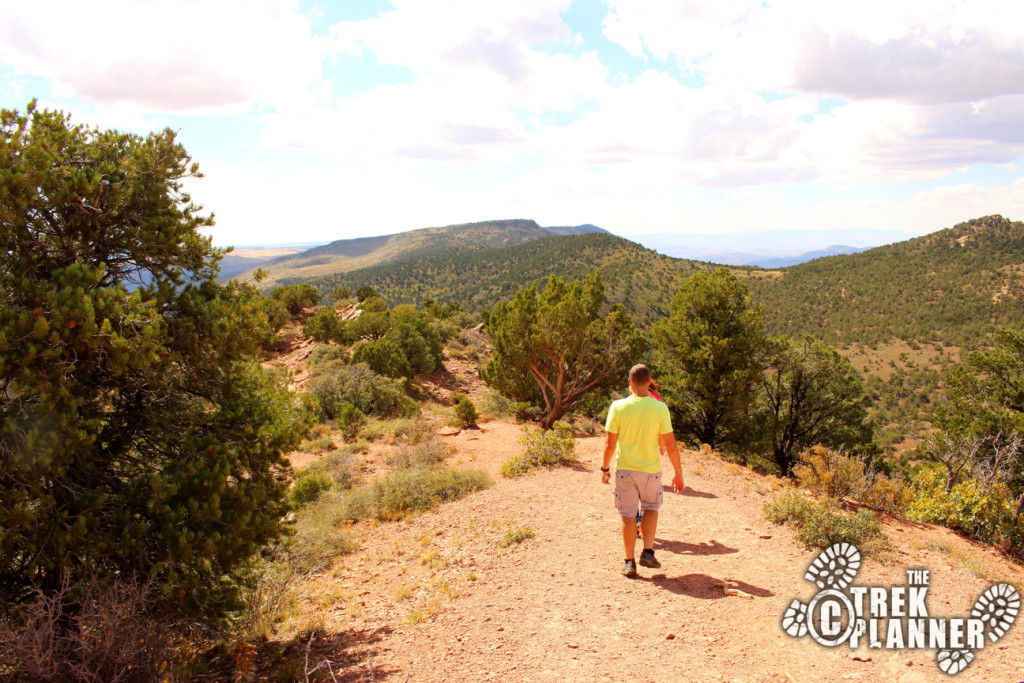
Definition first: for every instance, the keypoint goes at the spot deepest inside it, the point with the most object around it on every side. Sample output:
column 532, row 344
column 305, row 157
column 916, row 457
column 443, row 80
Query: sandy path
column 437, row 598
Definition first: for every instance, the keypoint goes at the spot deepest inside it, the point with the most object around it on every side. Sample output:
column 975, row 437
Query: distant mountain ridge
column 640, row 278
column 785, row 261
column 362, row 252
column 762, row 248
column 955, row 286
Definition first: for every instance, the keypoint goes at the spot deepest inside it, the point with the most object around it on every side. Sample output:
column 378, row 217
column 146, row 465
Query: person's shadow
column 712, row 547
column 689, row 492
column 707, row 587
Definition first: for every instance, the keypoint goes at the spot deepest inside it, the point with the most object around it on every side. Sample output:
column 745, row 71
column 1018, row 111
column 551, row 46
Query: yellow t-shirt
column 638, row 421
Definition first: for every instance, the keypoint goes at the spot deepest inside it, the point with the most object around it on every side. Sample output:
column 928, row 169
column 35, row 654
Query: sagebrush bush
column 465, row 413
column 497, row 405
column 270, row 591
column 819, row 525
column 542, row 447
column 358, row 385
column 407, row 431
column 324, row 443
column 429, row 453
column 825, row 526
column 309, row 486
column 336, row 465
column 400, row 493
column 829, row 473
column 789, row 508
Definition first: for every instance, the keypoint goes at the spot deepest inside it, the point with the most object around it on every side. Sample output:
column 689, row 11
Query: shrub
column 987, row 515
column 315, row 445
column 350, row 421
column 407, row 491
column 103, row 633
column 407, row 431
column 324, row 325
column 830, row 473
column 891, row 496
column 360, row 386
column 497, row 405
column 270, row 591
column 446, row 330
column 308, row 487
column 327, row 358
column 789, row 508
column 276, row 312
column 823, row 527
column 422, row 455
column 419, row 343
column 337, row 466
column 517, row 536
column 819, row 525
column 296, row 297
column 542, row 448
column 465, row 413
column 383, row 356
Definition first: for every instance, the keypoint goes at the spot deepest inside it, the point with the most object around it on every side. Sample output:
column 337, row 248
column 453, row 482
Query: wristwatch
column 604, row 469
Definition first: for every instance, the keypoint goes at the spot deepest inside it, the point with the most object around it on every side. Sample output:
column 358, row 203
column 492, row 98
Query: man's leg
column 648, row 527
column 629, row 535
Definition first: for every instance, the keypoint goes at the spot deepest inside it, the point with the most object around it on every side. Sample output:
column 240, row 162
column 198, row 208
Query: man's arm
column 609, row 453
column 668, row 442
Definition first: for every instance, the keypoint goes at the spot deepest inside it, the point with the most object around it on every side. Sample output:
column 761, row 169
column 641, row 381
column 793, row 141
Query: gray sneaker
column 647, row 559
column 629, row 569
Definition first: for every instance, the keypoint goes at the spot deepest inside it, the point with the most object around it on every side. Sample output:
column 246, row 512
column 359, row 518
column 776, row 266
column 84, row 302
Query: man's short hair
column 640, row 375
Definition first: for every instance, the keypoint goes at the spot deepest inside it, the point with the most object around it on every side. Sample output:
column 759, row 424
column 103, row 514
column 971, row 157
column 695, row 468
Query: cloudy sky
column 318, row 120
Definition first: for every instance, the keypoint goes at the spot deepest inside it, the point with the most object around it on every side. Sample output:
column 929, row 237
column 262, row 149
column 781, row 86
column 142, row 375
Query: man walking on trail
column 636, row 426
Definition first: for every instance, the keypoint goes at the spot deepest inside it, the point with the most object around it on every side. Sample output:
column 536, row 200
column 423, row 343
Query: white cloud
column 971, row 201
column 165, row 56
column 430, row 36
column 481, row 83
column 909, row 50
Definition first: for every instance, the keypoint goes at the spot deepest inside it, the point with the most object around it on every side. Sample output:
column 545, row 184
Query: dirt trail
column 437, row 598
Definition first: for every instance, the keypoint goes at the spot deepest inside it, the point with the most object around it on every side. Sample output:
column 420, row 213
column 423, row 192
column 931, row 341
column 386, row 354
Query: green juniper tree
column 810, row 395
column 711, row 353
column 138, row 438
column 554, row 348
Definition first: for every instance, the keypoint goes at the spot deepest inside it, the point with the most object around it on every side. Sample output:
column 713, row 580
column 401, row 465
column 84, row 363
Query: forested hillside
column 641, row 279
column 351, row 254
column 955, row 286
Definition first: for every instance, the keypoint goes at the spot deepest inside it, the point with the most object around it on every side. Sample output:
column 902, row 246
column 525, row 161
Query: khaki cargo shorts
column 637, row 490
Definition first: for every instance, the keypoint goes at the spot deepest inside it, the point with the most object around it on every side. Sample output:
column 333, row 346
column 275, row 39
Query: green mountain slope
column 641, row 279
column 955, row 286
column 352, row 254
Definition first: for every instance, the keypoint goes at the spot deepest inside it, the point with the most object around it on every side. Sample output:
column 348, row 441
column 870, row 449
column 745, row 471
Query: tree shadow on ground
column 690, row 492
column 683, row 548
column 345, row 656
column 706, row 587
